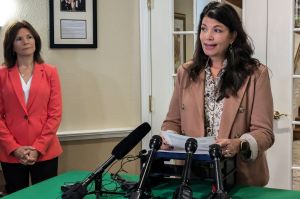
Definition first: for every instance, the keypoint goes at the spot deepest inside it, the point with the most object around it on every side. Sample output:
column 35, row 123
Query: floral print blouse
column 213, row 109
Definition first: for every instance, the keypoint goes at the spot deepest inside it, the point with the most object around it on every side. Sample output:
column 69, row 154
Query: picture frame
column 297, row 58
column 73, row 23
column 297, row 14
column 179, row 40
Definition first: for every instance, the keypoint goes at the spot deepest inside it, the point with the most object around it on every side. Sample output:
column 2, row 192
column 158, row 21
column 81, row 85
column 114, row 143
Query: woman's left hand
column 230, row 147
column 32, row 157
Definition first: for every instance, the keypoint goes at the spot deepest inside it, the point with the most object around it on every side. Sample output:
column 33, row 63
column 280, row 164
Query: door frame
column 145, row 50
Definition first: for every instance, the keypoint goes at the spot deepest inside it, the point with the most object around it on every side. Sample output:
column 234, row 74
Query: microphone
column 184, row 191
column 129, row 142
column 78, row 190
column 215, row 153
column 155, row 144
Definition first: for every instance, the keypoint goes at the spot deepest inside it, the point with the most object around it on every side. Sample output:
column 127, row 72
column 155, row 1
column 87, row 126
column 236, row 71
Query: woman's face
column 215, row 38
column 24, row 43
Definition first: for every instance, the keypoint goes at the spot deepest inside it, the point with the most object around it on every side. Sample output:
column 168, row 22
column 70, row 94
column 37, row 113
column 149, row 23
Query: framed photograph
column 179, row 40
column 73, row 23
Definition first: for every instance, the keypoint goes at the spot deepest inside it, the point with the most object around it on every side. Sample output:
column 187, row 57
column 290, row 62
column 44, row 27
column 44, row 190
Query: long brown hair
column 240, row 63
column 10, row 56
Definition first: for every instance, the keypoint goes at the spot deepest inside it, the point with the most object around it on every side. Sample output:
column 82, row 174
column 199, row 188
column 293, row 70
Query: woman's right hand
column 165, row 145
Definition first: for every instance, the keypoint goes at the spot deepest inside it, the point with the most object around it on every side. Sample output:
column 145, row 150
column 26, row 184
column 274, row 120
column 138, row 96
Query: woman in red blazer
column 30, row 110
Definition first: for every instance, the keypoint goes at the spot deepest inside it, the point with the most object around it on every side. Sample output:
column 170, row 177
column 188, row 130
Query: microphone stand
column 215, row 153
column 184, row 191
column 79, row 190
column 140, row 192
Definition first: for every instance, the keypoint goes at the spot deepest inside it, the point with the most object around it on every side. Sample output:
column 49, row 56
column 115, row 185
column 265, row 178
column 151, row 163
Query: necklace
column 25, row 71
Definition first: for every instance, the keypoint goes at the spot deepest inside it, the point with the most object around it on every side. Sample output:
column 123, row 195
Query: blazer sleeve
column 7, row 140
column 54, row 114
column 261, row 126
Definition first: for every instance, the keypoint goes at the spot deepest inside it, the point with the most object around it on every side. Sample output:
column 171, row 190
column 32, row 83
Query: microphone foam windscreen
column 130, row 141
column 191, row 145
column 155, row 142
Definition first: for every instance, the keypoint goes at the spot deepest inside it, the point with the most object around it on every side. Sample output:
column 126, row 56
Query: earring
column 230, row 48
column 231, row 53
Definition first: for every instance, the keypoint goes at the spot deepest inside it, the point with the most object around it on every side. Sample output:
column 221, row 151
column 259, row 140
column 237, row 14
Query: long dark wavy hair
column 240, row 63
column 10, row 56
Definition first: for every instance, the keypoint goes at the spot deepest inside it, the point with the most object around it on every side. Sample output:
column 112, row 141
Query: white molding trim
column 184, row 32
column 145, row 50
column 93, row 134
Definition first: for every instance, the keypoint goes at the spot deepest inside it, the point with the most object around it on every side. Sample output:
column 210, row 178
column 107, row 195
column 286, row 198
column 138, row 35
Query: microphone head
column 155, row 142
column 130, row 141
column 142, row 153
column 215, row 151
column 191, row 145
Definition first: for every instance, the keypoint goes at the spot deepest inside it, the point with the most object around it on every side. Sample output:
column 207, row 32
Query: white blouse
column 26, row 87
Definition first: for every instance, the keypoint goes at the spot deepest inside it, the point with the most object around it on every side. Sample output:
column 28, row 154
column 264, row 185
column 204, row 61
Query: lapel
column 199, row 96
column 15, row 80
column 37, row 76
column 231, row 106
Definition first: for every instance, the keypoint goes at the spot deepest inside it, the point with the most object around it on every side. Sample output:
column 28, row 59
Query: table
column 50, row 189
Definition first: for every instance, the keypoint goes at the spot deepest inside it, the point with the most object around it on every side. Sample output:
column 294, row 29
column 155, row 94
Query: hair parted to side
column 240, row 63
column 11, row 32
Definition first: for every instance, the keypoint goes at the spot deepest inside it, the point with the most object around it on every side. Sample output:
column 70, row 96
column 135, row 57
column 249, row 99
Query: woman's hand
column 165, row 145
column 230, row 147
column 24, row 155
column 32, row 157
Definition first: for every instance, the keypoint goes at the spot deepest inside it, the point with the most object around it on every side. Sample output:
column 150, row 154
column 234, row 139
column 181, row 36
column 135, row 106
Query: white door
column 162, row 57
column 272, row 38
column 279, row 58
column 156, row 43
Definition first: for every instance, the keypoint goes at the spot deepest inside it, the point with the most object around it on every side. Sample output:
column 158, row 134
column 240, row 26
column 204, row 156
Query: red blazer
column 32, row 124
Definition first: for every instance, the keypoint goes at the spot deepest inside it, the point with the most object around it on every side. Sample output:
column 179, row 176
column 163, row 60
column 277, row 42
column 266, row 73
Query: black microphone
column 154, row 145
column 129, row 142
column 215, row 153
column 184, row 191
column 79, row 190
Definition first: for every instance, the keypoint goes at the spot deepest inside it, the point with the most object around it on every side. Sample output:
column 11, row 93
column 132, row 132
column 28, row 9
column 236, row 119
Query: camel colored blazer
column 251, row 111
column 32, row 124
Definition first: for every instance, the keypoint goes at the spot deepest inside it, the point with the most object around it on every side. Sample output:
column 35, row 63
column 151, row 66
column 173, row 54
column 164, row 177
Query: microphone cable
column 124, row 184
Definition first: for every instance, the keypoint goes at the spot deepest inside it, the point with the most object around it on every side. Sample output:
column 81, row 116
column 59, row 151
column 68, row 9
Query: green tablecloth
column 50, row 189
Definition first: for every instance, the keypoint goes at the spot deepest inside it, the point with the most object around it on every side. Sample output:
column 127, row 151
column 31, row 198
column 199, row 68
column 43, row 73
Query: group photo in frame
column 73, row 23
